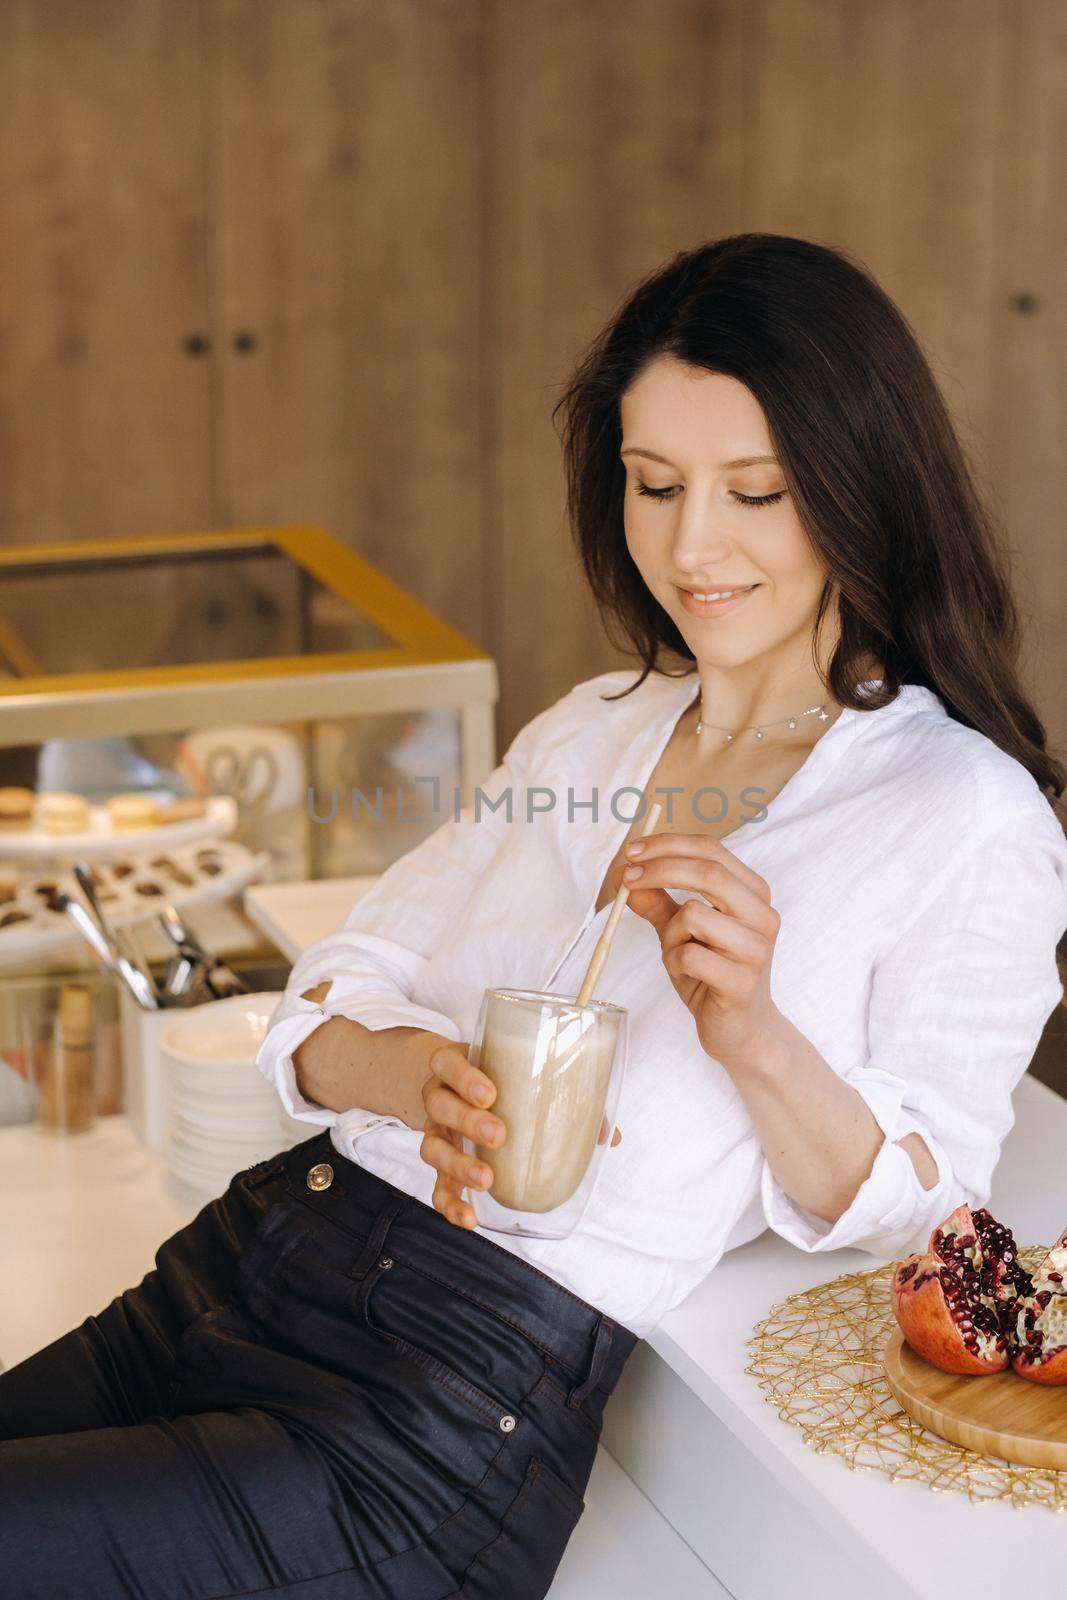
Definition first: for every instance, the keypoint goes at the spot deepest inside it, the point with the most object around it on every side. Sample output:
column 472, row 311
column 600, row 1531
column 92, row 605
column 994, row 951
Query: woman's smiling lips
column 713, row 608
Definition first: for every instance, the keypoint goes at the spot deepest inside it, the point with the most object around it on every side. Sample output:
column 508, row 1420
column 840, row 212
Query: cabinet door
column 347, row 193
column 103, row 272
column 875, row 128
column 929, row 140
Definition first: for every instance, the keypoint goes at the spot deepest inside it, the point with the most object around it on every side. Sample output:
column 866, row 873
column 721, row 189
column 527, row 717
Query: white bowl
column 224, row 1115
column 221, row 1033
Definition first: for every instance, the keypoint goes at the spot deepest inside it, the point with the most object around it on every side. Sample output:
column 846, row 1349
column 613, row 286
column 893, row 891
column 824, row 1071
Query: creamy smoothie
column 552, row 1069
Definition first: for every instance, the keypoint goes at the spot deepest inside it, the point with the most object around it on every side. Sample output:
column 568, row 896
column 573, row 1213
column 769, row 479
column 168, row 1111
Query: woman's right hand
column 456, row 1096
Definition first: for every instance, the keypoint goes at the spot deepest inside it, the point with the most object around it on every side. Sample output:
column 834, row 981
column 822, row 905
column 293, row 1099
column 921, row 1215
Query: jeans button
column 320, row 1176
column 507, row 1423
column 385, row 1263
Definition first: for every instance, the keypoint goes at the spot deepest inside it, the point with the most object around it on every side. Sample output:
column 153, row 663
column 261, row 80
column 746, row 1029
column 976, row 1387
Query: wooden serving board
column 999, row 1415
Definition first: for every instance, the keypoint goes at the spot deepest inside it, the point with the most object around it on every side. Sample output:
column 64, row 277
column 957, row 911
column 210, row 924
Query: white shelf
column 49, row 933
column 104, row 842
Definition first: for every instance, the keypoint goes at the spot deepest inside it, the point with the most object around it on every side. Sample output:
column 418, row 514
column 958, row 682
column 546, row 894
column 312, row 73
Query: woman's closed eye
column 741, row 499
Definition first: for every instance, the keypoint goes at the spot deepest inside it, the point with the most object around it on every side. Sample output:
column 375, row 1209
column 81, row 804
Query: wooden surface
column 999, row 1415
column 104, row 419
column 422, row 212
column 1028, row 373
column 613, row 138
column 877, row 132
column 344, row 173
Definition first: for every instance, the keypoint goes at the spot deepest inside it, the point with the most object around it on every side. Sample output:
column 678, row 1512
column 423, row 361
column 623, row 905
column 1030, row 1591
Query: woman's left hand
column 717, row 950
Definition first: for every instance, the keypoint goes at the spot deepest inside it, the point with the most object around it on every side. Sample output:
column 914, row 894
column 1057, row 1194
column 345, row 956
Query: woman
column 840, row 959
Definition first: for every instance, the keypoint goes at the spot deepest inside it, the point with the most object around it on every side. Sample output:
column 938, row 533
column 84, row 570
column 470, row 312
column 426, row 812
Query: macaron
column 130, row 811
column 16, row 808
column 59, row 812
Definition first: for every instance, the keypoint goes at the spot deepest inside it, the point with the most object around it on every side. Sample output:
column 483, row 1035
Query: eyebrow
column 742, row 461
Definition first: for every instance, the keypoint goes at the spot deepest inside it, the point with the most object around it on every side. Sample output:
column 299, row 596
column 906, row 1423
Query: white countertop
column 940, row 1545
column 294, row 915
column 911, row 1540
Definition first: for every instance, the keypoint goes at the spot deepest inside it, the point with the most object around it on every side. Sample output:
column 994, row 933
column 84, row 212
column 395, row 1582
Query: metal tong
column 193, row 968
column 193, row 974
column 99, row 938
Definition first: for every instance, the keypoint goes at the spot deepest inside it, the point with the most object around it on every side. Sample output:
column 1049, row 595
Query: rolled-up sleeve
column 957, row 1008
column 373, row 961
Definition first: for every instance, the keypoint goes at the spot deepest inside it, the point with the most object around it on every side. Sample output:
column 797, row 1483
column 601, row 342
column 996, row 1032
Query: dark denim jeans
column 323, row 1389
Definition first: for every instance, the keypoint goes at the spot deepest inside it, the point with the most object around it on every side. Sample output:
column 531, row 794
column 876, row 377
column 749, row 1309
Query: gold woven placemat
column 818, row 1359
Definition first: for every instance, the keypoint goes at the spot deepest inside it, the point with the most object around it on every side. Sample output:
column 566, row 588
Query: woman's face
column 715, row 514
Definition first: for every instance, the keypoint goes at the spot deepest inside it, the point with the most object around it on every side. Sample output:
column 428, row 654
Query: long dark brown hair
column 873, row 464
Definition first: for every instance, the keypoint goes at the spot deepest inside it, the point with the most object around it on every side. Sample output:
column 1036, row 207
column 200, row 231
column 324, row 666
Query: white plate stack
column 222, row 1114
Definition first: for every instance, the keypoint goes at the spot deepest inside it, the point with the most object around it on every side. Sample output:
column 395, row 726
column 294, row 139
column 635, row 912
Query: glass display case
column 270, row 664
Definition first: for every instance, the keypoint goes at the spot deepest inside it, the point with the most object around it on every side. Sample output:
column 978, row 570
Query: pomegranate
column 1040, row 1321
column 949, row 1301
column 969, row 1306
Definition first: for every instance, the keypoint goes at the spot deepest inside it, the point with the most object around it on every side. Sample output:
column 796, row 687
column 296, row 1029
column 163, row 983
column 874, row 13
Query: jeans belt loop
column 601, row 1349
column 382, row 1223
column 268, row 1169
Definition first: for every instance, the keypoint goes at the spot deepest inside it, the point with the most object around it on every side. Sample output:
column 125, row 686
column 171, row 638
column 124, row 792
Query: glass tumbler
column 558, row 1069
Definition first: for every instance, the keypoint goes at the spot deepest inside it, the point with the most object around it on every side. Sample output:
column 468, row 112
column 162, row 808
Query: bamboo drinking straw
column 603, row 944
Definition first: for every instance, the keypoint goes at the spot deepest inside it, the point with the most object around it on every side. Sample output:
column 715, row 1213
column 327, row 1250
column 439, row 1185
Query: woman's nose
column 700, row 546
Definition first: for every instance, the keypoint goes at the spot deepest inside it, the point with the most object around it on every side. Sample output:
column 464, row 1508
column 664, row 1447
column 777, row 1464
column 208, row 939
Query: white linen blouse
column 921, row 879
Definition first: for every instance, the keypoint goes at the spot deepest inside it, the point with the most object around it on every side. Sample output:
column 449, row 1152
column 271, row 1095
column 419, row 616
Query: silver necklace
column 823, row 715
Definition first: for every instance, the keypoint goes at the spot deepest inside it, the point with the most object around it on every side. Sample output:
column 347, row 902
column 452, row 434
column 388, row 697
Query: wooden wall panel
column 104, row 424
column 1030, row 374
column 615, row 132
column 876, row 129
column 346, row 181
column 929, row 140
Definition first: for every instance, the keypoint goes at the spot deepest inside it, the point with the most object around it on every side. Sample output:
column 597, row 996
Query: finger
column 655, row 906
column 444, row 1105
column 438, row 1151
column 602, row 1135
column 463, row 1215
column 452, row 1207
column 713, row 880
column 729, row 979
column 450, row 1063
column 701, row 922
column 446, row 1191
column 700, row 847
column 448, row 1199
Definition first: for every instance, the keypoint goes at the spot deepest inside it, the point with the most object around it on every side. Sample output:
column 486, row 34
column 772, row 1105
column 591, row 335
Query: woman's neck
column 792, row 706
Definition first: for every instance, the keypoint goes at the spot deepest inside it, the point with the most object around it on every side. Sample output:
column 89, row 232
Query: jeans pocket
column 521, row 1560
column 425, row 1325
